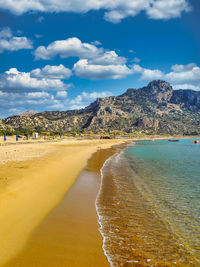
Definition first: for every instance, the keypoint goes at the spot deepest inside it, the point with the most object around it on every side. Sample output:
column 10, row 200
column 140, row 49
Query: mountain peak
column 159, row 85
column 28, row 113
column 155, row 108
column 159, row 91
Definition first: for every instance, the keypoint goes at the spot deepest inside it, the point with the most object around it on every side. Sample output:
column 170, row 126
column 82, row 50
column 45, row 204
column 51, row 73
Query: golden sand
column 30, row 189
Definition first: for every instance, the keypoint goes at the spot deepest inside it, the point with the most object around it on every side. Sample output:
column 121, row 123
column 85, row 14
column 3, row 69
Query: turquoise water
column 169, row 177
column 148, row 204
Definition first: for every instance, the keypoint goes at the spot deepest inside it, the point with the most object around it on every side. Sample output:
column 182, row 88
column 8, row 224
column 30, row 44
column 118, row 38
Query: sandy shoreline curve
column 30, row 189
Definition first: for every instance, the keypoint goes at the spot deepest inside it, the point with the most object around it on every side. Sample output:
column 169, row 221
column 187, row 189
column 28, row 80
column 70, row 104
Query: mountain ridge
column 155, row 108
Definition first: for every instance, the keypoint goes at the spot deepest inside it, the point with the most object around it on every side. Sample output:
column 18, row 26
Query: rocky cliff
column 156, row 108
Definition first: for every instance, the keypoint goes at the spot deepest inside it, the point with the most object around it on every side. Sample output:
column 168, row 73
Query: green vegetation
column 152, row 110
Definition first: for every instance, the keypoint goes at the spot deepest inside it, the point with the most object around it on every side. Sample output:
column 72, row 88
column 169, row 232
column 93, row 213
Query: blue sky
column 63, row 55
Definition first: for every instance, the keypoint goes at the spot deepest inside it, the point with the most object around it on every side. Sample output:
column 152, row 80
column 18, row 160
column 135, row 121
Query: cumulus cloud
column 61, row 94
column 15, row 79
column 87, row 70
column 135, row 60
column 187, row 86
column 115, row 10
column 94, row 62
column 181, row 77
column 164, row 9
column 189, row 73
column 151, row 74
column 12, row 43
column 5, row 33
column 71, row 47
column 85, row 99
column 181, row 68
column 52, row 72
column 109, row 58
column 147, row 74
column 18, row 102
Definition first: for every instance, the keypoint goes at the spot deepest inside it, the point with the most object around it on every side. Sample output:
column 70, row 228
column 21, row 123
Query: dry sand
column 30, row 189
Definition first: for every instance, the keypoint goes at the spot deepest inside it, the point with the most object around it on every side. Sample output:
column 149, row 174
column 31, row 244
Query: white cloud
column 135, row 60
column 151, row 74
column 71, row 47
column 14, row 103
column 95, row 62
column 61, row 94
column 12, row 43
column 186, row 86
column 85, row 99
column 181, row 68
column 96, row 43
column 22, row 80
column 52, row 72
column 5, row 33
column 181, row 76
column 147, row 74
column 36, row 95
column 84, row 69
column 109, row 58
column 18, row 102
column 189, row 73
column 116, row 10
column 164, row 9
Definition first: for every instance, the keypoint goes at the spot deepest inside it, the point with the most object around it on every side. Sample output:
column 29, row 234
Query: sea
column 148, row 204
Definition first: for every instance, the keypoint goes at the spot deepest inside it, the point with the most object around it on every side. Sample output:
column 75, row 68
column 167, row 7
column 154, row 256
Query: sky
column 61, row 55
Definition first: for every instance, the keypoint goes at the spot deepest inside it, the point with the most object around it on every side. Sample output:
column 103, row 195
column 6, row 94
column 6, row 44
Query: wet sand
column 29, row 190
column 69, row 235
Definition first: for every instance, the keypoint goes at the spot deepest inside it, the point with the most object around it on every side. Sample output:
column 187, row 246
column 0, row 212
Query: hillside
column 156, row 108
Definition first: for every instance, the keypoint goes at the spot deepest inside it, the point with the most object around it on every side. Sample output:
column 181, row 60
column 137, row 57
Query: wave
column 131, row 228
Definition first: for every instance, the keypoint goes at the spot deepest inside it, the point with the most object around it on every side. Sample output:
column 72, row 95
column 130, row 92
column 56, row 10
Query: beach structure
column 35, row 135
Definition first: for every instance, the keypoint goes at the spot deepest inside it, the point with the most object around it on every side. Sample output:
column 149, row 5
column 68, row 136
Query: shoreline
column 70, row 234
column 32, row 189
column 141, row 233
column 22, row 151
column 55, row 152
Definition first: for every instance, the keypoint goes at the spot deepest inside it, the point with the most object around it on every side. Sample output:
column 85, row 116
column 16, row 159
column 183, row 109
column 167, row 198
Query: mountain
column 28, row 113
column 156, row 108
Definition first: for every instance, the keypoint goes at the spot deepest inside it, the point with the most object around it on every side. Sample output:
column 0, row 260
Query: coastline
column 128, row 217
column 31, row 189
column 82, row 156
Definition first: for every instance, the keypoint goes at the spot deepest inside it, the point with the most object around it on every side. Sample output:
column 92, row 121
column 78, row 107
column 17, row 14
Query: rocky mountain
column 28, row 113
column 156, row 108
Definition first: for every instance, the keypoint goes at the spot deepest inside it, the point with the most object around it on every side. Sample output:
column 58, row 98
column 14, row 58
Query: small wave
column 101, row 217
column 132, row 231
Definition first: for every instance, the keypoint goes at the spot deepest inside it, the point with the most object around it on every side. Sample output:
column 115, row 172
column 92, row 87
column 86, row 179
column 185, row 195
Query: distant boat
column 195, row 142
column 173, row 140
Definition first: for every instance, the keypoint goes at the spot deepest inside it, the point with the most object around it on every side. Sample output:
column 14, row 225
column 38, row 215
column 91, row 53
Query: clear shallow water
column 149, row 205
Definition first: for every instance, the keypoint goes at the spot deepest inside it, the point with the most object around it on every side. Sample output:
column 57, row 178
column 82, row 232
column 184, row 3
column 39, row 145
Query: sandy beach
column 34, row 178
